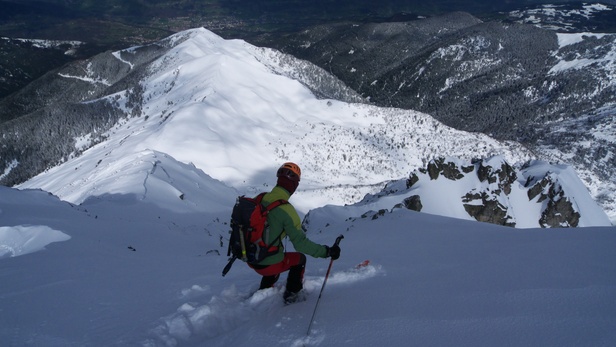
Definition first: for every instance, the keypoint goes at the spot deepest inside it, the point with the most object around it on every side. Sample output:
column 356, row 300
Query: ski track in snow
column 195, row 323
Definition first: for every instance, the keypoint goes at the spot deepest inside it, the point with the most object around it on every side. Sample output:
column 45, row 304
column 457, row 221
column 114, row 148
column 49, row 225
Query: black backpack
column 248, row 225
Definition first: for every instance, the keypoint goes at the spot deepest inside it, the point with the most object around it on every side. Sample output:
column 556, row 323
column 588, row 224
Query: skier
column 284, row 221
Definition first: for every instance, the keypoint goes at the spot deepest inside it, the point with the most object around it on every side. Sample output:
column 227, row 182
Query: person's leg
column 293, row 261
column 295, row 279
column 268, row 281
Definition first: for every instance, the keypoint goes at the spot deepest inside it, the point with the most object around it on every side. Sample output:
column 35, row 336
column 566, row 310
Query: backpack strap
column 267, row 210
column 272, row 205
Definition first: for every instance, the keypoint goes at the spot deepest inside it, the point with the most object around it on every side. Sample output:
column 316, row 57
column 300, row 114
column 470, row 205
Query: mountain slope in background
column 233, row 110
column 111, row 25
column 555, row 93
column 22, row 61
column 229, row 108
column 575, row 18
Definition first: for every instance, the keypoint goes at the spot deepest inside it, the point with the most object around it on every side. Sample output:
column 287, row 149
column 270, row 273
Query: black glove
column 333, row 252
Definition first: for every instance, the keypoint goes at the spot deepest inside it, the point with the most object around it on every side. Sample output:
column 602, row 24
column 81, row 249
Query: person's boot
column 293, row 297
column 295, row 284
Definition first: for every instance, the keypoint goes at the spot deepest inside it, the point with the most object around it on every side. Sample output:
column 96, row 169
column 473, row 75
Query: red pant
column 295, row 262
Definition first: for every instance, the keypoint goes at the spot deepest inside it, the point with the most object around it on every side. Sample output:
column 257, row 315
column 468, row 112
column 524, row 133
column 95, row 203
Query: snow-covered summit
column 236, row 112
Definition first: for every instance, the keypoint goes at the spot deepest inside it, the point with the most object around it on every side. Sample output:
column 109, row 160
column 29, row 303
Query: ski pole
column 338, row 239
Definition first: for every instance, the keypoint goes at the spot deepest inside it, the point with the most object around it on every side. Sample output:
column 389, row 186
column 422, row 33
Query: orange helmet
column 290, row 170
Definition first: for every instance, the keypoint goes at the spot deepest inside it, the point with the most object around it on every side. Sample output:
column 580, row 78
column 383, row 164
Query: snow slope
column 135, row 274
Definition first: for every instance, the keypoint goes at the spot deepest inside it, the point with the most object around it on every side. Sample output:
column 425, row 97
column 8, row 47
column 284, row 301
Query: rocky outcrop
column 486, row 208
column 413, row 203
column 448, row 170
column 491, row 184
column 559, row 211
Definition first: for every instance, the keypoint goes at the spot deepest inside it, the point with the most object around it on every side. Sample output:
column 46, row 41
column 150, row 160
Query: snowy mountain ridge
column 213, row 103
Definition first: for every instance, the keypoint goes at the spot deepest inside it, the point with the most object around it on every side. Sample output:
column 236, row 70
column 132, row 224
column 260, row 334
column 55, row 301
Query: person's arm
column 293, row 228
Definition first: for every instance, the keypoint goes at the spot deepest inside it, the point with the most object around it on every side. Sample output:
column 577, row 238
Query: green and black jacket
column 284, row 221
